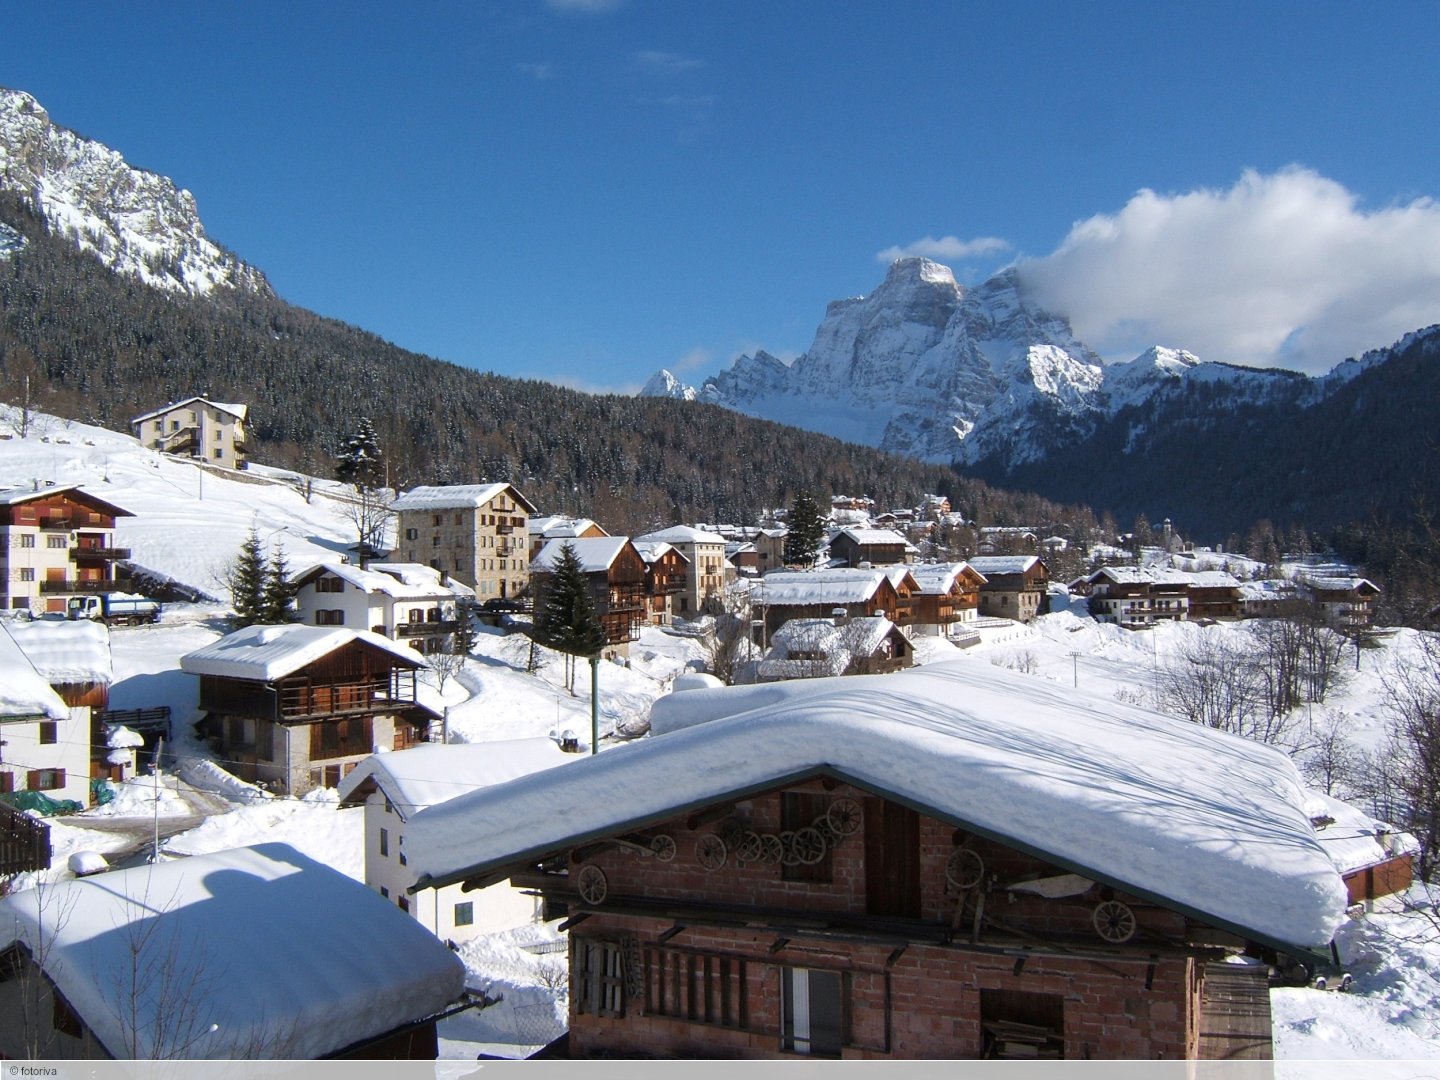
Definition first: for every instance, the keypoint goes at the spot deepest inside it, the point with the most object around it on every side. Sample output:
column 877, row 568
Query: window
column 327, row 583
column 219, row 454
column 813, row 1015
column 159, row 426
column 389, row 807
column 465, row 913
column 412, row 534
column 45, row 779
column 57, row 542
column 700, row 987
column 400, row 844
column 25, row 540
column 27, row 573
column 404, row 903
column 330, row 617
column 599, row 977
column 385, row 891
column 385, row 843
column 49, row 731
column 435, row 519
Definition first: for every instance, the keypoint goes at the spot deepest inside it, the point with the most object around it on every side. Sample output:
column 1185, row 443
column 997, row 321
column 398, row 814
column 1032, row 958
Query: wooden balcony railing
column 78, row 553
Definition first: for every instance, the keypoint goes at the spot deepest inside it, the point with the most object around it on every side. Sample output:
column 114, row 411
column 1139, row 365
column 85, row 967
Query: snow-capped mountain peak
column 136, row 222
column 664, row 384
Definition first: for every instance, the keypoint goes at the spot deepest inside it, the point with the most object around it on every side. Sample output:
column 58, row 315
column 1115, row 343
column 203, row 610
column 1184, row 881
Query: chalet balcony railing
column 24, row 842
column 78, row 553
column 57, row 523
column 504, row 530
column 73, row 587
column 425, row 629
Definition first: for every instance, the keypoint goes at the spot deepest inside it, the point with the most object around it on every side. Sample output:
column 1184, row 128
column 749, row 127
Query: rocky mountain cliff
column 135, row 222
column 926, row 367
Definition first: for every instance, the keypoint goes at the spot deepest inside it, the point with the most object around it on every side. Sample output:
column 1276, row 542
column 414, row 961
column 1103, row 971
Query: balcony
column 78, row 553
column 72, row 587
column 426, row 629
column 60, row 524
column 504, row 530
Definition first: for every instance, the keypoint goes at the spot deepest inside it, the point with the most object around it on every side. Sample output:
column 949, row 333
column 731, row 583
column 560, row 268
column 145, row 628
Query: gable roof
column 267, row 653
column 833, row 647
column 237, row 411
column 456, row 497
column 873, row 537
column 809, row 587
column 14, row 496
column 398, row 586
column 682, row 534
column 937, row 579
column 1198, row 821
column 990, row 565
column 284, row 956
column 438, row 772
column 596, row 553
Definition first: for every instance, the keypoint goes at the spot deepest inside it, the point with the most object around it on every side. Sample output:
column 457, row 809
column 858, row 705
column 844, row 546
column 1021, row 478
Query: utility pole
column 1075, row 666
column 594, row 705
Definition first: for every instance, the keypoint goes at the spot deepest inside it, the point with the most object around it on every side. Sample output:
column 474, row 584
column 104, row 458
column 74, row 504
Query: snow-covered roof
column 937, row 579
column 990, row 565
column 556, row 525
column 1339, row 583
column 1143, row 575
column 266, row 653
column 872, row 537
column 596, row 553
column 683, row 534
column 807, row 648
column 652, row 551
column 422, row 576
column 237, row 411
column 24, row 692
column 1199, row 821
column 803, row 587
column 250, row 952
column 455, row 497
column 1268, row 590
column 15, row 495
column 437, row 772
column 66, row 651
column 371, row 580
column 1351, row 837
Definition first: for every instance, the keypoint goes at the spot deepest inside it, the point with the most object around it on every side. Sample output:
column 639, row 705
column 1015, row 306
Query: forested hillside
column 104, row 348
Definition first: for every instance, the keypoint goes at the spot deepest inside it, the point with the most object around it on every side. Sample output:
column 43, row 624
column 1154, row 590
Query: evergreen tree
column 806, row 528
column 360, row 461
column 247, row 581
column 566, row 620
column 278, row 590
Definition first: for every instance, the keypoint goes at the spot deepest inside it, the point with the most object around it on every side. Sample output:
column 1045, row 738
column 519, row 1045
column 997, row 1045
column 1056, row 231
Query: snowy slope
column 138, row 223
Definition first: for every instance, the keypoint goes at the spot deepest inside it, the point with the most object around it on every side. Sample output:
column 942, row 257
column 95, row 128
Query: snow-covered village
column 968, row 807
column 802, row 533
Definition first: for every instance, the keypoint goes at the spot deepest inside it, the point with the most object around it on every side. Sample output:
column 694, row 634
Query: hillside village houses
column 1015, row 586
column 616, row 574
column 705, row 575
column 559, row 527
column 196, row 427
column 44, row 742
column 58, row 541
column 478, row 533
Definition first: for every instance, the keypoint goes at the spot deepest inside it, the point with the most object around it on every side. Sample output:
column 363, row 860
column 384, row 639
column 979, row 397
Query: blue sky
column 588, row 191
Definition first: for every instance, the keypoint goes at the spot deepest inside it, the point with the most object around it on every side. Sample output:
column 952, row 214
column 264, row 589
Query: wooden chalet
column 297, row 707
column 59, row 542
column 783, row 595
column 878, row 547
column 946, row 599
column 864, row 871
column 820, row 648
column 665, row 577
column 617, row 576
column 1015, row 586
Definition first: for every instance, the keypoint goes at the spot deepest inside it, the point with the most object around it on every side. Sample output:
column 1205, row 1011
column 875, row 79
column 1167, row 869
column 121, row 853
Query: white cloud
column 539, row 72
column 1285, row 269
column 693, row 360
column 665, row 63
column 946, row 247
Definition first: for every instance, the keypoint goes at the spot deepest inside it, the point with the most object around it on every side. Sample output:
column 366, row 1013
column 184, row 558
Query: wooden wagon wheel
column 731, row 831
column 808, row 846
column 964, row 869
column 787, row 849
column 844, row 816
column 771, row 849
column 592, row 885
column 663, row 845
column 1114, row 922
column 750, row 848
column 711, row 851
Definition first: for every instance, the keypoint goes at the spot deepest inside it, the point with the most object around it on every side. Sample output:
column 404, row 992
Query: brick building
column 919, row 865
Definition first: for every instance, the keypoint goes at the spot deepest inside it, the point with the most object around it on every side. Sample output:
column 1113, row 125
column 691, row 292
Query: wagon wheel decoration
column 1114, row 922
column 662, row 845
column 711, row 851
column 592, row 885
column 964, row 869
column 731, row 831
column 771, row 849
column 750, row 848
column 805, row 847
column 844, row 817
